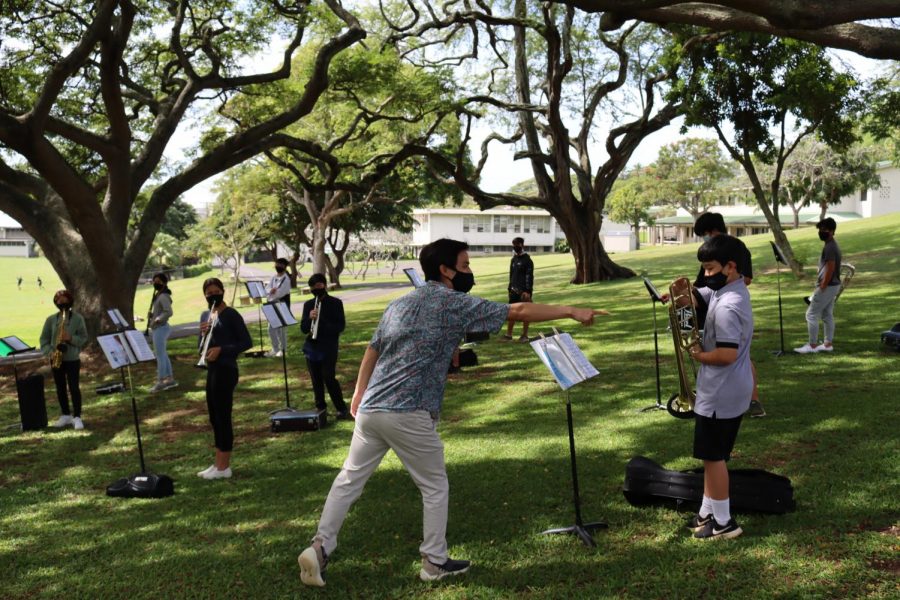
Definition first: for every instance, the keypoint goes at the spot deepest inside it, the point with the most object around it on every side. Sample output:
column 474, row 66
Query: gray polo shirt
column 724, row 391
column 830, row 251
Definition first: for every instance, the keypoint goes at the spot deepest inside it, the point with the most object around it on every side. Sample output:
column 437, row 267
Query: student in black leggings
column 229, row 338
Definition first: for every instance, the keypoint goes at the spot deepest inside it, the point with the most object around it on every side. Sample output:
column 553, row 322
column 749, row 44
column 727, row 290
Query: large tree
column 690, row 173
column 560, row 88
column 92, row 95
column 763, row 96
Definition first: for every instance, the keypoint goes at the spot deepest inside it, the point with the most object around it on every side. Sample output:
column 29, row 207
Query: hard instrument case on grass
column 297, row 420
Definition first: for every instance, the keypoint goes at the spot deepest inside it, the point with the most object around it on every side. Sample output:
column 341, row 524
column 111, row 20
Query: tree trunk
column 637, row 235
column 592, row 263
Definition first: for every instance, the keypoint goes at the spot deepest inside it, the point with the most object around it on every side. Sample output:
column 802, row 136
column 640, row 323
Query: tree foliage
column 632, row 197
column 690, row 173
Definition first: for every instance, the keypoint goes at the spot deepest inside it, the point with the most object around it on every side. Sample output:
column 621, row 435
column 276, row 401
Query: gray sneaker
column 171, row 383
column 524, row 338
column 433, row 572
column 756, row 409
column 313, row 562
column 505, row 338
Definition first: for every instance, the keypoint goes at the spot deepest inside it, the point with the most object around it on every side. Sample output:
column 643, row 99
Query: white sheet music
column 139, row 346
column 272, row 315
column 256, row 289
column 414, row 277
column 565, row 360
column 115, row 348
column 284, row 311
column 117, row 318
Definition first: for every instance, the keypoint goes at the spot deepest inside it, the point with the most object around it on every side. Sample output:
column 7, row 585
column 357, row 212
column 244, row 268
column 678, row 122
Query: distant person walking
column 828, row 284
column 19, row 282
column 521, row 284
column 40, row 283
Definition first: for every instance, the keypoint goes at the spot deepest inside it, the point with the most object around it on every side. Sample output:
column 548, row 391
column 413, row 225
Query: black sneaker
column 433, row 572
column 697, row 522
column 344, row 416
column 713, row 531
column 756, row 409
column 313, row 562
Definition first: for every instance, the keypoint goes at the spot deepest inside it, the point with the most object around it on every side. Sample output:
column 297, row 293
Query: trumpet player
column 63, row 337
column 224, row 335
column 323, row 321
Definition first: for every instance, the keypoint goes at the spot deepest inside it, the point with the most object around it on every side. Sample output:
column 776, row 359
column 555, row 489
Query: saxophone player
column 63, row 337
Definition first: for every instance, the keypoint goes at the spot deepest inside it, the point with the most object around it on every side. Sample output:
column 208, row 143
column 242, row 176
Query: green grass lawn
column 832, row 428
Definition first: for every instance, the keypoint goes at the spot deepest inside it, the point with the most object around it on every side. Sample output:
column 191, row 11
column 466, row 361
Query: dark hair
column 721, row 249
column 710, row 222
column 828, row 224
column 65, row 293
column 213, row 281
column 520, row 240
column 316, row 278
column 441, row 252
column 281, row 261
column 162, row 277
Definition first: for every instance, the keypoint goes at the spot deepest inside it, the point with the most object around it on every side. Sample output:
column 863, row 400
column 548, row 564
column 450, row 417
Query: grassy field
column 832, row 428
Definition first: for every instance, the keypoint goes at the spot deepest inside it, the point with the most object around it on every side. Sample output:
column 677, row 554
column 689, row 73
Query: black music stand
column 124, row 348
column 278, row 314
column 569, row 366
column 779, row 260
column 414, row 277
column 257, row 292
column 33, row 415
column 654, row 298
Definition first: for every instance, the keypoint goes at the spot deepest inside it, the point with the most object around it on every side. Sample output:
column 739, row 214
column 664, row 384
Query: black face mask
column 319, row 292
column 279, row 269
column 214, row 298
column 158, row 286
column 717, row 281
column 463, row 282
column 824, row 235
column 63, row 305
column 518, row 249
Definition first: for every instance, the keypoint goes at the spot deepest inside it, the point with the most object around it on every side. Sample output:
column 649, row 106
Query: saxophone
column 56, row 357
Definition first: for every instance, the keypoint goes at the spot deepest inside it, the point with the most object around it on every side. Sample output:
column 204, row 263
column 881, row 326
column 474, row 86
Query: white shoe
column 169, row 384
column 158, row 387
column 63, row 420
column 278, row 354
column 77, row 423
column 824, row 348
column 206, row 471
column 806, row 349
column 217, row 474
column 269, row 354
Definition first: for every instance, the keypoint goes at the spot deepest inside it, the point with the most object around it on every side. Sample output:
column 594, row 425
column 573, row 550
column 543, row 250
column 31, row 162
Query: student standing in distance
column 322, row 353
column 724, row 382
column 399, row 391
column 521, row 284
column 708, row 226
column 160, row 312
column 279, row 291
column 828, row 284
column 72, row 339
column 229, row 338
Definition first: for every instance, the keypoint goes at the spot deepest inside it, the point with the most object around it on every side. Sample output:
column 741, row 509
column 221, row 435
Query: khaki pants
column 414, row 439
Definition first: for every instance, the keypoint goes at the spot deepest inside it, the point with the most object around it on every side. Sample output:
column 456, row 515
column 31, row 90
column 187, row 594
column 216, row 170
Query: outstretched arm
column 529, row 312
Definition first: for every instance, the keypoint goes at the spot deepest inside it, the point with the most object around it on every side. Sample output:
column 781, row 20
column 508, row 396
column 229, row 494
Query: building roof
column 760, row 219
column 474, row 211
column 7, row 222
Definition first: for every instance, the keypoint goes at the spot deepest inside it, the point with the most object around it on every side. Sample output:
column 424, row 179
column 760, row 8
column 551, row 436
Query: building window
column 885, row 192
column 477, row 223
column 537, row 224
column 501, row 224
column 863, row 194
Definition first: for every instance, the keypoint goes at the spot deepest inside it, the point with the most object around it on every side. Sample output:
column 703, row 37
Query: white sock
column 706, row 507
column 721, row 511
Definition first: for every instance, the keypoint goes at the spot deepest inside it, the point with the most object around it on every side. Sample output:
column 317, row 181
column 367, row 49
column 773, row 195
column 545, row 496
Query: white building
column 493, row 230
column 745, row 219
column 14, row 240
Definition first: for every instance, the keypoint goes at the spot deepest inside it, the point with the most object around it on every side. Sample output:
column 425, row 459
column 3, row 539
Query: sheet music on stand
column 125, row 348
column 278, row 314
column 564, row 359
column 256, row 289
column 779, row 255
column 13, row 345
column 651, row 289
column 115, row 315
column 414, row 277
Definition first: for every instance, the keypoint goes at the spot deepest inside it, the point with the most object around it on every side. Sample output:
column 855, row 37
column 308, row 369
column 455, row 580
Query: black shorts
column 515, row 297
column 714, row 438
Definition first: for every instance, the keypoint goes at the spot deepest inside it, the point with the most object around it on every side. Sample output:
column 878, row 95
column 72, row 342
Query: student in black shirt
column 521, row 284
column 322, row 352
column 229, row 338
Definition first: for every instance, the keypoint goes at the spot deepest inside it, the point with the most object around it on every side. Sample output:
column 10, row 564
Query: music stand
column 278, row 314
column 569, row 366
column 257, row 292
column 414, row 277
column 779, row 260
column 654, row 298
column 11, row 346
column 124, row 348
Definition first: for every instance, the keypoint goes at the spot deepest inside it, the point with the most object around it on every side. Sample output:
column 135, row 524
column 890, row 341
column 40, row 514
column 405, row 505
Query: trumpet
column 59, row 348
column 684, row 323
column 314, row 329
column 204, row 343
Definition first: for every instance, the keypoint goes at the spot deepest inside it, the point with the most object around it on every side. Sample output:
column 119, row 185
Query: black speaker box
column 298, row 420
column 32, row 405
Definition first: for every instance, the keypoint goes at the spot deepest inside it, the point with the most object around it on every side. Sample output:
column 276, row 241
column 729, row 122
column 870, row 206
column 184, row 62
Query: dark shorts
column 714, row 438
column 515, row 297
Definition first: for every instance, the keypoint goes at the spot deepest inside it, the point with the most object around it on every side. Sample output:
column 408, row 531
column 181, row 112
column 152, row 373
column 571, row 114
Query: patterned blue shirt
column 415, row 341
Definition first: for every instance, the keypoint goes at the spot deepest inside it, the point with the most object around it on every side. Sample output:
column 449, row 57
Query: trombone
column 684, row 324
column 846, row 274
column 314, row 329
column 204, row 343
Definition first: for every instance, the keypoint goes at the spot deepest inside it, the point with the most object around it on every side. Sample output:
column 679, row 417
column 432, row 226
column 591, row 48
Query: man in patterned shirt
column 399, row 391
